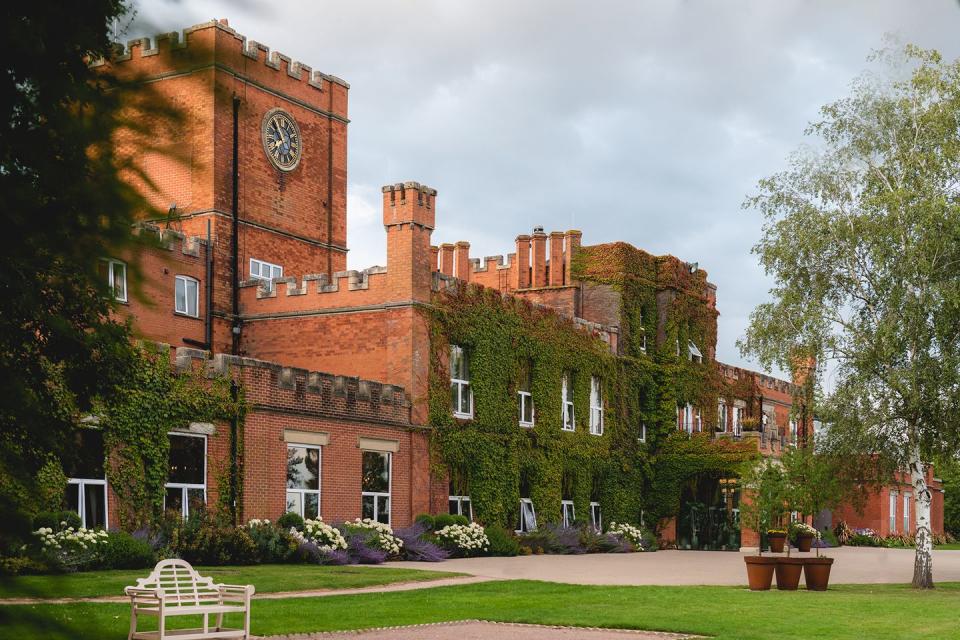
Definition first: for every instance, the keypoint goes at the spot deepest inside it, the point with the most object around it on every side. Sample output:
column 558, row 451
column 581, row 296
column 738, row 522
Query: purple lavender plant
column 361, row 553
column 336, row 557
column 415, row 547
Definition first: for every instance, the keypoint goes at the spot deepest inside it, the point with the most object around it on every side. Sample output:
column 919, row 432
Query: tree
column 66, row 204
column 764, row 494
column 862, row 236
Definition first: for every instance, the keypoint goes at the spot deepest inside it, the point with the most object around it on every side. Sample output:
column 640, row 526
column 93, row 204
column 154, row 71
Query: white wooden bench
column 175, row 589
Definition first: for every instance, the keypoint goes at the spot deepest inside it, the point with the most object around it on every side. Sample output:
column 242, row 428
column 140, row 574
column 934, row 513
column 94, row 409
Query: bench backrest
column 181, row 584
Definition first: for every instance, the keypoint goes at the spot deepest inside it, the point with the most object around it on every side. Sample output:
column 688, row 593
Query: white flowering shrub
column 466, row 540
column 377, row 534
column 71, row 548
column 803, row 529
column 257, row 523
column 634, row 535
column 325, row 536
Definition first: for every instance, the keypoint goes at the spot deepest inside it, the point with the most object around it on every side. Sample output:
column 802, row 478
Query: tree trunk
column 923, row 561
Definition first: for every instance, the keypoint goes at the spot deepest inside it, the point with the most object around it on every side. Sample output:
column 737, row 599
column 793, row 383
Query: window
column 567, row 513
column 187, row 482
column 722, row 417
column 906, row 513
column 87, row 482
column 793, row 431
column 643, row 432
column 525, row 397
column 461, row 395
column 596, row 406
column 303, row 480
column 187, row 296
column 115, row 273
column 737, row 426
column 596, row 517
column 459, row 504
column 528, row 516
column 260, row 270
column 695, row 354
column 893, row 512
column 688, row 418
column 375, row 490
column 643, row 340
column 678, row 347
column 566, row 400
column 698, row 419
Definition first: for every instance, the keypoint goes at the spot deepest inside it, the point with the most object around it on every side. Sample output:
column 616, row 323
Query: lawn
column 952, row 546
column 731, row 613
column 267, row 579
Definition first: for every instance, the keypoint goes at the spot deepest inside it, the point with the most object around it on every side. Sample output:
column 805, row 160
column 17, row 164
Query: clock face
column 281, row 139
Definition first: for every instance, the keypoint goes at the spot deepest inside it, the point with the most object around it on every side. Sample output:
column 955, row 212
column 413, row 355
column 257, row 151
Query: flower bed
column 464, row 540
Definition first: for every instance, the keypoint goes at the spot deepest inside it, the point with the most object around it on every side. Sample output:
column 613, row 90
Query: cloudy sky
column 646, row 122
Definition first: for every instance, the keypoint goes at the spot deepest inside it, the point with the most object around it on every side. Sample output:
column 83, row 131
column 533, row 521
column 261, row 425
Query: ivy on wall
column 662, row 305
column 153, row 402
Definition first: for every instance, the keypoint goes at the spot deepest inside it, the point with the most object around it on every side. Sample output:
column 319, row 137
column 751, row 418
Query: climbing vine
column 662, row 305
column 155, row 400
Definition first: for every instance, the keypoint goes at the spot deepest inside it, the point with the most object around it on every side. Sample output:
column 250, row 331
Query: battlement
column 760, row 379
column 172, row 240
column 213, row 42
column 271, row 384
column 290, row 295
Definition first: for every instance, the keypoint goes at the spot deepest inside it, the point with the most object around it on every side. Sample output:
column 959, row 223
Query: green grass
column 953, row 546
column 878, row 612
column 266, row 578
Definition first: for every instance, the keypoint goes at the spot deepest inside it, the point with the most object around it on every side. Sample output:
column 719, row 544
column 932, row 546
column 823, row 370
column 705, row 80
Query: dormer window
column 461, row 395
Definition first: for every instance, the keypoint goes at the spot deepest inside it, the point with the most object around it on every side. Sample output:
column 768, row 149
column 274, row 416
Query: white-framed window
column 567, row 513
column 596, row 406
column 793, row 431
column 678, row 347
column 186, row 488
column 525, row 398
column 375, row 486
column 266, row 271
column 566, row 402
column 115, row 273
column 737, row 421
column 643, row 432
column 698, row 419
column 722, row 417
column 906, row 513
column 461, row 506
column 304, row 462
column 893, row 512
column 688, row 418
column 695, row 355
column 643, row 340
column 461, row 395
column 528, row 516
column 596, row 516
column 186, row 296
column 86, row 491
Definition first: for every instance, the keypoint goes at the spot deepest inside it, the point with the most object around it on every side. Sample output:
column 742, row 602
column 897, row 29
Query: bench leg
column 133, row 624
column 162, row 629
column 246, row 620
column 219, row 621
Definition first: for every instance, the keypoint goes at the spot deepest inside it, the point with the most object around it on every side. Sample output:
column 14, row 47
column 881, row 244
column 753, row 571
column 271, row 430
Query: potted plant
column 776, row 538
column 814, row 482
column 802, row 535
column 750, row 424
column 761, row 506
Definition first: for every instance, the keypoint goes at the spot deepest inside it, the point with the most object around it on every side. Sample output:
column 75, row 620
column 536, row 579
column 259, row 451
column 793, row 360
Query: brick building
column 250, row 283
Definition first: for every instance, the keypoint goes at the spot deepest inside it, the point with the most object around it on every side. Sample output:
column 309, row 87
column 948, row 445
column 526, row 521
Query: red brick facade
column 366, row 329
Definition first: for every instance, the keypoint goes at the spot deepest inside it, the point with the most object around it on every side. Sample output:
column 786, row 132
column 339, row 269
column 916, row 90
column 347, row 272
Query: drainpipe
column 208, row 332
column 235, row 306
column 234, row 246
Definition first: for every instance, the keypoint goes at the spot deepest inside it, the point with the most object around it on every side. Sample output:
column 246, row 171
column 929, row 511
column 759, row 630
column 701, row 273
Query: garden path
column 482, row 630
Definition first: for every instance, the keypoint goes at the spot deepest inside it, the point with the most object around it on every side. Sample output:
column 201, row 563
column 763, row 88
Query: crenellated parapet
column 269, row 384
column 172, row 240
column 316, row 292
column 212, row 43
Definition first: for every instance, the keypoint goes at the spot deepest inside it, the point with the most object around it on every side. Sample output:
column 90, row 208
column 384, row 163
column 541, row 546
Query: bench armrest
column 140, row 592
column 237, row 588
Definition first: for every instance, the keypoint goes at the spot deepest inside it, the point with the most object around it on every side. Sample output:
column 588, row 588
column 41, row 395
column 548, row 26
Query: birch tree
column 861, row 234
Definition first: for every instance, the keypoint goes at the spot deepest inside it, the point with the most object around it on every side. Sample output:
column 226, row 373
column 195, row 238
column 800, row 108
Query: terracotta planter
column 776, row 541
column 804, row 542
column 760, row 571
column 788, row 573
column 816, row 573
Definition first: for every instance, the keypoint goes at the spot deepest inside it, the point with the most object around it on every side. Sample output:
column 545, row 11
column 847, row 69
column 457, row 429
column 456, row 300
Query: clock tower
column 260, row 155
